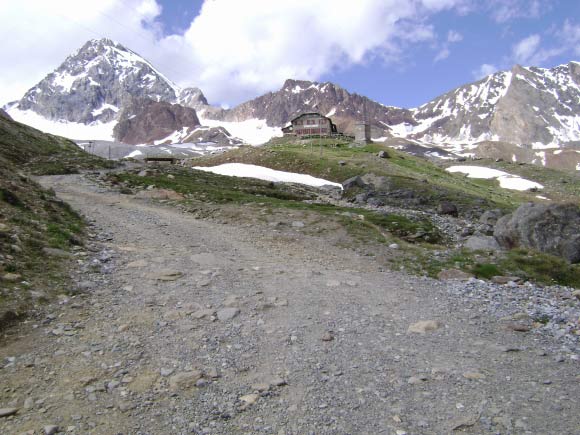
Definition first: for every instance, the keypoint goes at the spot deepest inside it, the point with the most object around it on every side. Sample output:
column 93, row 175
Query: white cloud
column 484, row 70
column 503, row 11
column 443, row 54
column 570, row 35
column 526, row 49
column 233, row 50
column 454, row 36
column 529, row 51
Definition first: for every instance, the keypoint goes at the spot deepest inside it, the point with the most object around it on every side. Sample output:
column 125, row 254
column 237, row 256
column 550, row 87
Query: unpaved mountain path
column 198, row 327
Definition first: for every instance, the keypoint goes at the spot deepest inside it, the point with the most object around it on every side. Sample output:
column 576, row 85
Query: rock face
column 299, row 96
column 95, row 82
column 146, row 121
column 522, row 106
column 192, row 97
column 553, row 229
column 218, row 135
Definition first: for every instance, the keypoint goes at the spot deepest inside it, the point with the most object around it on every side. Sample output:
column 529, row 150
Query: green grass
column 429, row 182
column 32, row 217
column 542, row 268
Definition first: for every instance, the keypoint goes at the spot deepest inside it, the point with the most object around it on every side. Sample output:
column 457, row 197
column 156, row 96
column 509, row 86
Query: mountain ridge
column 525, row 106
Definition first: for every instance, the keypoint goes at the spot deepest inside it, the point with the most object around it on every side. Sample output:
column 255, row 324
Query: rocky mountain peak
column 192, row 97
column 93, row 83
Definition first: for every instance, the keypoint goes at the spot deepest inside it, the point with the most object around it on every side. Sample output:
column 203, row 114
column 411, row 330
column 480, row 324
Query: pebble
column 424, row 326
column 184, row 380
column 50, row 429
column 327, row 336
column 250, row 399
column 7, row 412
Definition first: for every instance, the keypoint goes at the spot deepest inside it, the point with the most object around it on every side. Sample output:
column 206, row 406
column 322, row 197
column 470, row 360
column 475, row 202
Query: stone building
column 310, row 124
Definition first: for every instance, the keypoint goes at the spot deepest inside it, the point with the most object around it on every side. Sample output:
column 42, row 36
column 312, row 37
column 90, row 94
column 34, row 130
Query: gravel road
column 188, row 326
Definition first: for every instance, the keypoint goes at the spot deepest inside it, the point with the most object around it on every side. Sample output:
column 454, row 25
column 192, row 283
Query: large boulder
column 549, row 228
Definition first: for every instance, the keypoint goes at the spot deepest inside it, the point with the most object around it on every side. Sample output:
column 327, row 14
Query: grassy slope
column 31, row 218
column 435, row 184
column 403, row 171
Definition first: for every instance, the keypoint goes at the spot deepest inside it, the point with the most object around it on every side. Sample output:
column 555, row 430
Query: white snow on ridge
column 251, row 131
column 71, row 130
column 104, row 107
column 134, row 154
column 507, row 181
column 262, row 173
column 175, row 137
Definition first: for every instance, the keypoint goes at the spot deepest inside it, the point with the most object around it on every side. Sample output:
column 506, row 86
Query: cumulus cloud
column 232, row 50
column 484, row 70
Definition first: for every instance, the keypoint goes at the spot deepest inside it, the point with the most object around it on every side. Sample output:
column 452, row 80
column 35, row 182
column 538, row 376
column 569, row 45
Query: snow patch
column 262, row 173
column 251, row 131
column 507, row 181
column 134, row 154
column 72, row 130
column 104, row 107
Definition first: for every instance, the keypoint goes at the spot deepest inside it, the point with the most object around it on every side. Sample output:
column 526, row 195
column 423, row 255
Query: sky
column 399, row 53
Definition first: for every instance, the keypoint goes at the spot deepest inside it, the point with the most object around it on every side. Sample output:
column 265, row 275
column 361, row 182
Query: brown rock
column 12, row 277
column 424, row 326
column 184, row 380
column 449, row 274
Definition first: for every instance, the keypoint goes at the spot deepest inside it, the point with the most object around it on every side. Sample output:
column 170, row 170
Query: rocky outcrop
column 192, row 97
column 145, row 121
column 4, row 115
column 217, row 135
column 553, row 229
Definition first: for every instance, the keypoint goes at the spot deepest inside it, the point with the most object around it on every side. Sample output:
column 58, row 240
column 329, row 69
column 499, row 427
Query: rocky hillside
column 145, row 121
column 36, row 229
column 299, row 96
column 522, row 106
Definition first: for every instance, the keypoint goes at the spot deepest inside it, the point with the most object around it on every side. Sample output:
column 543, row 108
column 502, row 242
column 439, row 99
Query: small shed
column 161, row 160
column 311, row 124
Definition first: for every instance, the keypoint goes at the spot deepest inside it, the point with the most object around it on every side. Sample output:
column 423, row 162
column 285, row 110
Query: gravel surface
column 186, row 326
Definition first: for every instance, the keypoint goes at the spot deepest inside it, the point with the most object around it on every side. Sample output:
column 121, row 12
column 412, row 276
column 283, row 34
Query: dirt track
column 189, row 326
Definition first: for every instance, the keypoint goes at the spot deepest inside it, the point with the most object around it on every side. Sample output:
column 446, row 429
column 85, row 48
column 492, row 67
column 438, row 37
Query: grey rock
column 482, row 243
column 50, row 429
column 353, row 182
column 490, row 217
column 549, row 228
column 227, row 313
column 7, row 412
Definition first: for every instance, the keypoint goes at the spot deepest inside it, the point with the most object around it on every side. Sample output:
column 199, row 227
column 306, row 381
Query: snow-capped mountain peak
column 93, row 83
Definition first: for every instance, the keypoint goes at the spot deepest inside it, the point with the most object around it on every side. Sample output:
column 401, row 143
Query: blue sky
column 486, row 37
column 397, row 52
